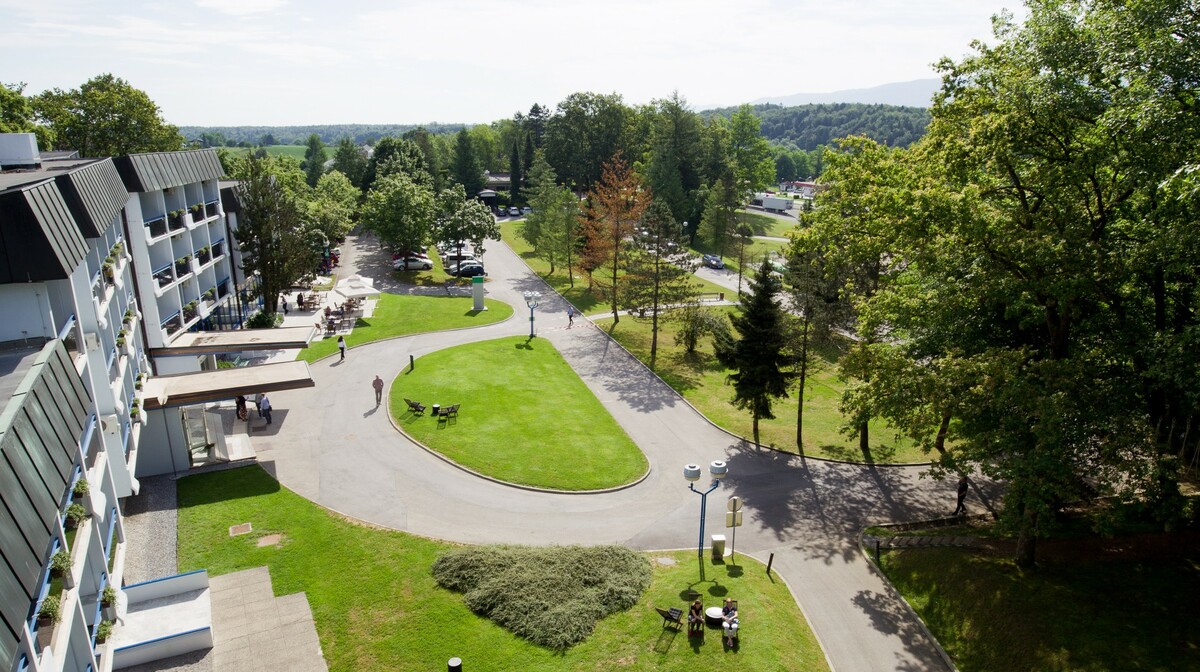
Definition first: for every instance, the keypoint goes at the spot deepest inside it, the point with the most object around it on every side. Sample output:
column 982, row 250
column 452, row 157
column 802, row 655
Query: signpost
column 733, row 519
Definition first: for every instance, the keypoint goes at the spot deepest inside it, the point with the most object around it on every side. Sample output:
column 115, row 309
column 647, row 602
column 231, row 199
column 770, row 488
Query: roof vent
column 19, row 150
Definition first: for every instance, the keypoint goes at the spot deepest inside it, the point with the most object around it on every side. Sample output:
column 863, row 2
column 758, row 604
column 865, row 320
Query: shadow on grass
column 235, row 484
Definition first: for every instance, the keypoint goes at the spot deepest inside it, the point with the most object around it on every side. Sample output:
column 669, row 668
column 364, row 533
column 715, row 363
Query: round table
column 714, row 615
column 436, row 408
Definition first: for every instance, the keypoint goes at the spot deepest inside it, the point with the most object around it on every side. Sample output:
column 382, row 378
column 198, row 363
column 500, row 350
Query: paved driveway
column 331, row 445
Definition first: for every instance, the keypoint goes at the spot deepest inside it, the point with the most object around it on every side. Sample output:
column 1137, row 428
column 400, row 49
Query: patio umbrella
column 357, row 291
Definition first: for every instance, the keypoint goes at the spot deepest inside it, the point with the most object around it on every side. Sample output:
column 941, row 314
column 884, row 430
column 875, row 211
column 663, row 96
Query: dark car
column 468, row 269
column 713, row 261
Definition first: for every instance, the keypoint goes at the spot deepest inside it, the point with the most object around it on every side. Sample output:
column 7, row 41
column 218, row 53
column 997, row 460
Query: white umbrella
column 357, row 291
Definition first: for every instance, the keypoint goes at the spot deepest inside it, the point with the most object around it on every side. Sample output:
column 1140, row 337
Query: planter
column 45, row 632
column 176, row 221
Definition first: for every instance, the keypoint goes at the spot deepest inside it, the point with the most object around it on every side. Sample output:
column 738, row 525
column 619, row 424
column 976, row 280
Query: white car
column 514, row 212
column 412, row 264
column 527, row 210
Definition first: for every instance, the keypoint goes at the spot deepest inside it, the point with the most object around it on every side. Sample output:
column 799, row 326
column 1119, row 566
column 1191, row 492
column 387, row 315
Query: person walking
column 570, row 316
column 378, row 385
column 264, row 407
column 240, row 402
column 283, row 300
column 342, row 347
column 964, row 484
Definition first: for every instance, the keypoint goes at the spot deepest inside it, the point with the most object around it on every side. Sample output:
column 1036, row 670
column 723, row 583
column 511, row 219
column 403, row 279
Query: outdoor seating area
column 416, row 408
column 442, row 413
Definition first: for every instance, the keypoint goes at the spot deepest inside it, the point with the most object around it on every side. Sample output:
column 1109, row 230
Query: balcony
column 157, row 226
column 182, row 266
column 172, row 325
column 191, row 311
column 223, row 288
column 209, row 298
column 175, row 220
column 204, row 255
column 164, row 276
column 210, row 209
column 197, row 212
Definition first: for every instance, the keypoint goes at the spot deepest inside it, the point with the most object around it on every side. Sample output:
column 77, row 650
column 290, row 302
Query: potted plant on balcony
column 210, row 294
column 135, row 414
column 189, row 311
column 49, row 614
column 60, row 563
column 181, row 265
column 121, row 339
column 108, row 602
column 139, row 382
column 176, row 219
column 81, row 487
column 76, row 514
column 117, row 249
column 109, row 268
column 205, row 254
column 197, row 213
column 129, row 316
column 104, row 631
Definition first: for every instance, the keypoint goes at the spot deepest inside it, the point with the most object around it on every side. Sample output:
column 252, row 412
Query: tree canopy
column 106, row 117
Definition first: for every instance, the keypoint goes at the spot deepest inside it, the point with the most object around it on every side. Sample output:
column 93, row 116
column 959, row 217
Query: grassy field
column 1094, row 616
column 294, row 151
column 377, row 606
column 402, row 314
column 587, row 302
column 504, row 387
column 702, row 380
column 762, row 225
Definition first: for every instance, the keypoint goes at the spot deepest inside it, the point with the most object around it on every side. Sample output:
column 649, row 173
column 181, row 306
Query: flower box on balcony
column 189, row 311
column 158, row 227
column 204, row 254
column 197, row 214
column 181, row 265
column 176, row 220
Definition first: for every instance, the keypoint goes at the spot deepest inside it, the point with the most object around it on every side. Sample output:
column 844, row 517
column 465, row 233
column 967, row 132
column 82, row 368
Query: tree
column 314, row 159
column 465, row 167
column 785, row 168
column 535, row 124
column 756, row 356
column 271, row 234
column 659, row 271
column 583, row 135
column 333, row 206
column 674, row 167
column 753, row 168
column 400, row 211
column 17, row 115
column 616, row 204
column 695, row 321
column 395, row 156
column 718, row 226
column 514, row 174
column 350, row 160
column 464, row 219
column 552, row 229
column 106, row 117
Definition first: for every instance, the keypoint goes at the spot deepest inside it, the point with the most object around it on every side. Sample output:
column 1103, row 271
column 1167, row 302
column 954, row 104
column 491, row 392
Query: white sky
column 289, row 62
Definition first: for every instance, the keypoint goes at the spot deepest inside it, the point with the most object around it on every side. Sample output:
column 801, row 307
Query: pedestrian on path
column 240, row 402
column 342, row 347
column 283, row 300
column 964, row 484
column 378, row 385
column 264, row 407
column 570, row 316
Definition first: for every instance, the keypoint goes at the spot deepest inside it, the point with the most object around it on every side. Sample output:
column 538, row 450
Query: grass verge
column 1095, row 616
column 701, row 379
column 402, row 314
column 514, row 387
column 377, row 606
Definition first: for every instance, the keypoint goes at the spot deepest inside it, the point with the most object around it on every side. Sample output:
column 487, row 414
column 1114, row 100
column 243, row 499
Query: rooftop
column 51, row 168
column 15, row 361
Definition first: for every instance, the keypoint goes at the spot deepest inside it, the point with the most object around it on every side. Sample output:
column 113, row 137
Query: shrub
column 76, row 513
column 104, row 631
column 81, row 487
column 263, row 320
column 60, row 562
column 51, row 609
column 109, row 595
column 551, row 596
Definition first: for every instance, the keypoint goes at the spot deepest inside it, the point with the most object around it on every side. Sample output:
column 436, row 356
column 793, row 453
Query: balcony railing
column 223, row 287
column 181, row 266
column 210, row 209
column 172, row 324
column 157, row 226
column 218, row 248
column 176, row 221
column 197, row 213
column 164, row 276
column 203, row 255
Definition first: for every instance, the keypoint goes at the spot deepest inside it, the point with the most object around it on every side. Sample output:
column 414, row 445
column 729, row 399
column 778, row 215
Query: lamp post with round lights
column 531, row 300
column 718, row 470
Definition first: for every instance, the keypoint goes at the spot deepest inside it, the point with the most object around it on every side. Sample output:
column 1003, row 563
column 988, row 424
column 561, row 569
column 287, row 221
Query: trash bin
column 718, row 546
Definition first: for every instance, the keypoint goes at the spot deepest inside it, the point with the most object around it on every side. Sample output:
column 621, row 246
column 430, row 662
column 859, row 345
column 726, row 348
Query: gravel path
column 150, row 531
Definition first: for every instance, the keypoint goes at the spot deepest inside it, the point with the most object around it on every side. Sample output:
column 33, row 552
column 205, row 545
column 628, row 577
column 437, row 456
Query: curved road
column 332, row 446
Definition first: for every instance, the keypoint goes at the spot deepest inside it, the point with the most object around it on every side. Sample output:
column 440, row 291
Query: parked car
column 412, row 264
column 500, row 212
column 468, row 269
column 527, row 210
column 514, row 212
column 713, row 261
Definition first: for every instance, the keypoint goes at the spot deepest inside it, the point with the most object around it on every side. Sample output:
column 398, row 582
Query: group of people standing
column 263, row 405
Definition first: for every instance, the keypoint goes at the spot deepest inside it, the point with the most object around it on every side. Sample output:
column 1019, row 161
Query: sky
column 297, row 62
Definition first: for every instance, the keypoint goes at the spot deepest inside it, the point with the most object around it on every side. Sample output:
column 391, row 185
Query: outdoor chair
column 448, row 411
column 416, row 407
column 672, row 617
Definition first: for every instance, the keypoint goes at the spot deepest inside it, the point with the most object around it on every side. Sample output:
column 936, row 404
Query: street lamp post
column 718, row 470
column 531, row 300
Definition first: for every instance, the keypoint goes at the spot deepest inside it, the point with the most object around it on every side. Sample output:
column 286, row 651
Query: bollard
column 769, row 561
column 720, row 296
column 454, row 665
column 412, row 363
column 877, row 550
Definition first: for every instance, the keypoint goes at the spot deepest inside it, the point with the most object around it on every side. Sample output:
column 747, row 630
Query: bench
column 672, row 617
column 417, row 408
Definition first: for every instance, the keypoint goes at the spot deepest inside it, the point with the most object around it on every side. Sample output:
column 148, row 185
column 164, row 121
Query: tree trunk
column 939, row 444
column 653, row 335
column 803, row 381
column 864, row 440
column 1026, row 541
column 755, row 421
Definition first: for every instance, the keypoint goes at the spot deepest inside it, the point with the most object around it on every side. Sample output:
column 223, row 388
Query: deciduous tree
column 616, row 204
column 314, row 159
column 106, row 117
column 401, row 212
column 658, row 279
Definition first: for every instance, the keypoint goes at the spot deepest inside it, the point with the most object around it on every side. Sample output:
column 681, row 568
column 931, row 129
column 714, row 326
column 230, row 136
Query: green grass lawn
column 511, row 388
column 1096, row 616
column 377, row 606
column 294, row 151
column 702, row 380
column 754, row 253
column 402, row 314
column 762, row 225
column 588, row 302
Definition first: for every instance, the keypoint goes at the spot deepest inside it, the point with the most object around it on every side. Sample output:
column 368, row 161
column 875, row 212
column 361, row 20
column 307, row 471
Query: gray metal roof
column 157, row 171
column 40, row 428
column 96, row 195
column 39, row 237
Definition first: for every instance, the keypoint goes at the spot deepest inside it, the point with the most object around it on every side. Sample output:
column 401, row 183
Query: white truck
column 776, row 203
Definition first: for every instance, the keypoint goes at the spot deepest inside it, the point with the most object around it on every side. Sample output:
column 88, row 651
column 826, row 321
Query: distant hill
column 216, row 136
column 917, row 93
column 810, row 126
